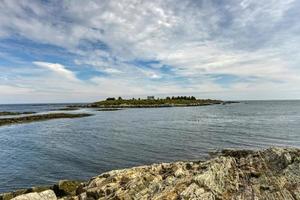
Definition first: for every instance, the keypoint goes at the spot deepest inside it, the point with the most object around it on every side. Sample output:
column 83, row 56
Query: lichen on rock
column 45, row 195
column 233, row 174
column 270, row 174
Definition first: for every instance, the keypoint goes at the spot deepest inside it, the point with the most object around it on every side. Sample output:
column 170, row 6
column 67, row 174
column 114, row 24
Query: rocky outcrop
column 109, row 109
column 40, row 117
column 232, row 174
column 45, row 195
column 66, row 188
column 10, row 195
column 4, row 113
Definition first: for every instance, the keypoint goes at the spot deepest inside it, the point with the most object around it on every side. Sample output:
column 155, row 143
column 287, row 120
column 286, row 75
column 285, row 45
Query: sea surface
column 41, row 153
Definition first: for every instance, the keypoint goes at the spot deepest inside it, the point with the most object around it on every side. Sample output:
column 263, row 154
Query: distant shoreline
column 180, row 101
column 41, row 117
column 86, row 103
column 150, row 106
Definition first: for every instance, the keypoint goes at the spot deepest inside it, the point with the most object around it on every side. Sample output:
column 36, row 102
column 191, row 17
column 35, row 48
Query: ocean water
column 41, row 153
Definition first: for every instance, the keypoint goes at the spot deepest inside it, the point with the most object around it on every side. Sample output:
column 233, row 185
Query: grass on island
column 4, row 113
column 43, row 117
column 159, row 102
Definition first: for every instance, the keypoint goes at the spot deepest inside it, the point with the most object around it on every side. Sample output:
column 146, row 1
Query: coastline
column 230, row 174
column 35, row 117
column 40, row 117
column 128, row 105
column 150, row 106
column 5, row 113
column 180, row 101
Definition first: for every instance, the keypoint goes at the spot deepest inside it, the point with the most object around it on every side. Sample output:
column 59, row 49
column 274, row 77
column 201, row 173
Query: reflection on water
column 44, row 152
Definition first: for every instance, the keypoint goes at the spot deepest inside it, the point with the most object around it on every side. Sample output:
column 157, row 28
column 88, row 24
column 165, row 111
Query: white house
column 150, row 97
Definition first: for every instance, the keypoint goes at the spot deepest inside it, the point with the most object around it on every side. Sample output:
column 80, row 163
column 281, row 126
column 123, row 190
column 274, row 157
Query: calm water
column 44, row 152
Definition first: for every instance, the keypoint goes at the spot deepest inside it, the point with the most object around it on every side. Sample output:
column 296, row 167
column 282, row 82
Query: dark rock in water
column 109, row 109
column 33, row 118
column 67, row 109
column 66, row 188
column 235, row 153
column 234, row 174
column 229, row 102
column 4, row 113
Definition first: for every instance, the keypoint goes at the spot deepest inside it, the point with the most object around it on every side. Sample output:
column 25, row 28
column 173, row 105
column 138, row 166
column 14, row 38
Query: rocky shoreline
column 273, row 173
column 141, row 105
column 5, row 113
column 150, row 106
column 40, row 117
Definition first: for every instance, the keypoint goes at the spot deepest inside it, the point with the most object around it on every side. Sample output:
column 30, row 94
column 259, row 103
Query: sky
column 82, row 51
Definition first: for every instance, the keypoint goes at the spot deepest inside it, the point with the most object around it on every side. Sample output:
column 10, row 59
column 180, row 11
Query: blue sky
column 81, row 51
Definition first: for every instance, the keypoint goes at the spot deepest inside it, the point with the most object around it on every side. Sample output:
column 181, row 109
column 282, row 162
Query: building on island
column 150, row 97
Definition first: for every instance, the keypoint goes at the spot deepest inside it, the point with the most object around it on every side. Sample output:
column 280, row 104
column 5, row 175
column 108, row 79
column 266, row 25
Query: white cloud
column 196, row 39
column 112, row 71
column 58, row 69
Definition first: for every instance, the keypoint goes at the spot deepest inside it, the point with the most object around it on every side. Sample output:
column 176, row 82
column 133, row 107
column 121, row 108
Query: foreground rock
column 64, row 188
column 45, row 195
column 33, row 118
column 270, row 174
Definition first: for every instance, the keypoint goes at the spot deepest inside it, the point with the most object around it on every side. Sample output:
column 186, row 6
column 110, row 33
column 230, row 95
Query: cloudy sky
column 81, row 51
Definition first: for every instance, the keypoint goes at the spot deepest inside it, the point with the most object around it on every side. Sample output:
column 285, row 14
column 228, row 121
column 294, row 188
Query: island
column 231, row 174
column 151, row 102
column 40, row 117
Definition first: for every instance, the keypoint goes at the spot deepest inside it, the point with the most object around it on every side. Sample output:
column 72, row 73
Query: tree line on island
column 167, row 98
column 151, row 101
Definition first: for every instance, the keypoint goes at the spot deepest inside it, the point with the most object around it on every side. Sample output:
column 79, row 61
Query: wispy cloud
column 58, row 69
column 159, row 46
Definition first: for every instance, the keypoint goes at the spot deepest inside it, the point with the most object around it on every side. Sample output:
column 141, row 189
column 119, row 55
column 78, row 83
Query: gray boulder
column 45, row 195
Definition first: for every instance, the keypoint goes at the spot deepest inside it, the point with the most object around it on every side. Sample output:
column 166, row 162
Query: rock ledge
column 273, row 173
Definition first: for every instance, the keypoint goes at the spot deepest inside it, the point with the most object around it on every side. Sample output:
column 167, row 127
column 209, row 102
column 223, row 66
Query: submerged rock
column 109, row 109
column 41, row 117
column 233, row 174
column 67, row 109
column 4, row 113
